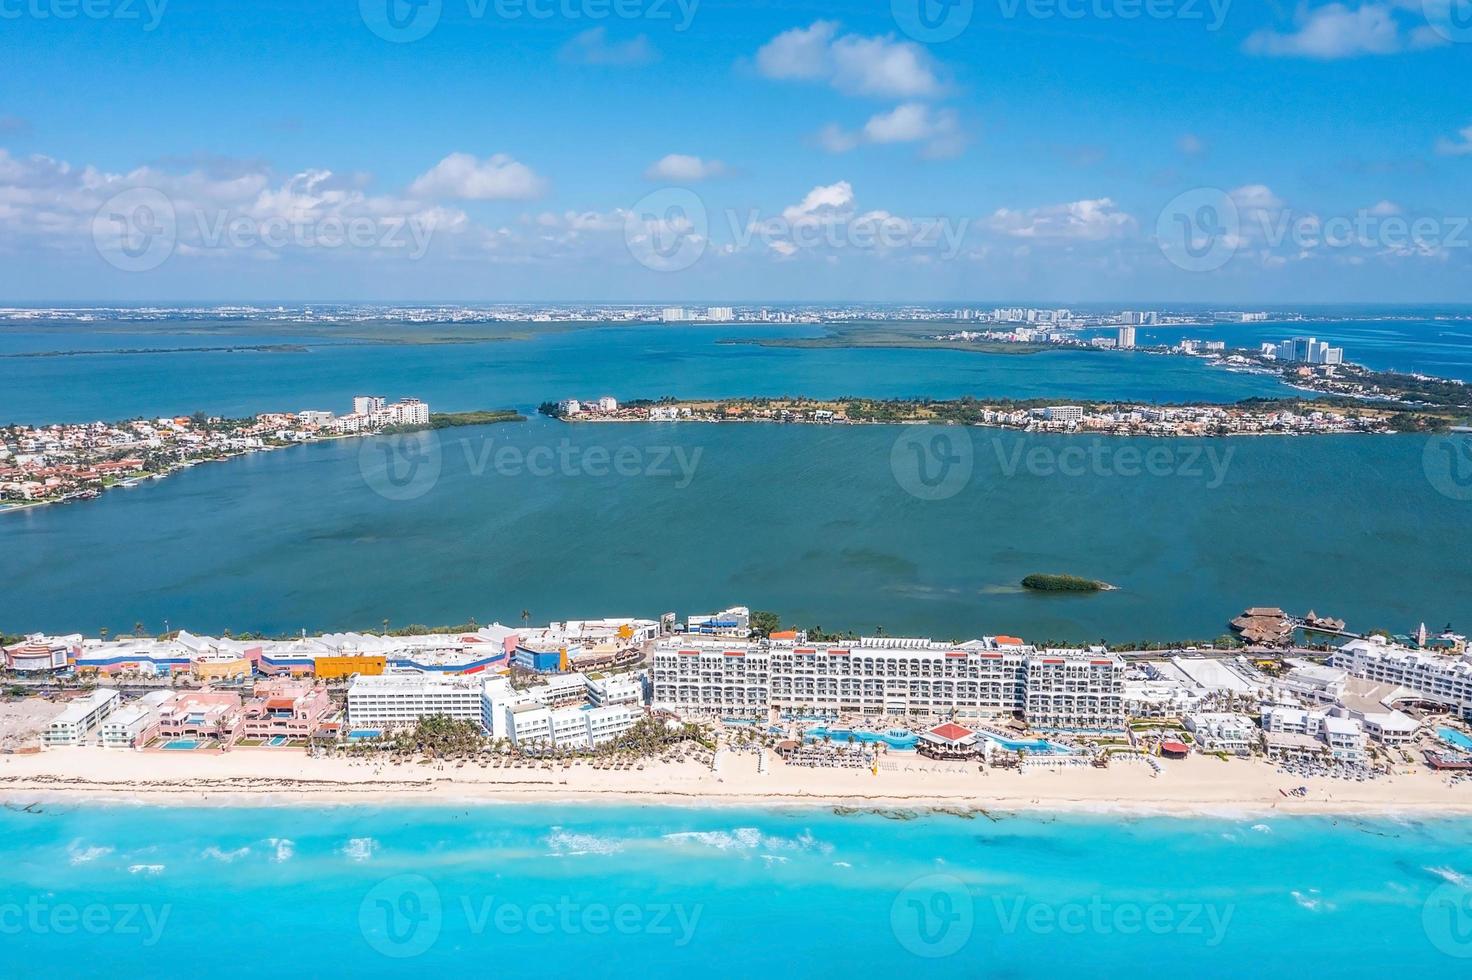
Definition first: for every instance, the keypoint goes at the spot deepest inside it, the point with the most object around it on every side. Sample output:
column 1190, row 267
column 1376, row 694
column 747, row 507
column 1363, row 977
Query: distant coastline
column 95, row 486
column 1253, row 416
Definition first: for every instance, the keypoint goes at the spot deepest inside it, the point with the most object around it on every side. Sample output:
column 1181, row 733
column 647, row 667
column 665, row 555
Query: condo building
column 81, row 717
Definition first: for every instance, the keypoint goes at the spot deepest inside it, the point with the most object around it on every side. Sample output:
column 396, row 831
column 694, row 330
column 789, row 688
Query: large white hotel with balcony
column 989, row 677
column 1421, row 675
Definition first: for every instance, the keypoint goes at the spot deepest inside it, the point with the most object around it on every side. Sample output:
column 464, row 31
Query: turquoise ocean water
column 104, row 891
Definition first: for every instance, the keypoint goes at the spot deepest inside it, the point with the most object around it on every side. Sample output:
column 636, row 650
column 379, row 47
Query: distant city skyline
column 693, row 153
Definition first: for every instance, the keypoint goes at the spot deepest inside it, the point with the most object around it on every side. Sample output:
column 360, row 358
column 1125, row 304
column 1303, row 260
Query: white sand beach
column 1191, row 786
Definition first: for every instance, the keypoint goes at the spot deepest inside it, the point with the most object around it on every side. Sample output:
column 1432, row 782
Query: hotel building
column 1075, row 689
column 1446, row 680
column 709, row 677
column 395, row 701
column 992, row 676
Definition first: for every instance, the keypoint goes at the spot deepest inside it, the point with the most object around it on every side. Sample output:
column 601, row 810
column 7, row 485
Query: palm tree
column 526, row 615
column 103, row 633
column 138, row 629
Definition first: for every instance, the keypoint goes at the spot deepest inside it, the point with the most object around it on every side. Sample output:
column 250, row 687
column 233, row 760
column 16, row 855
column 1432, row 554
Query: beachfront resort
column 78, row 461
column 630, row 691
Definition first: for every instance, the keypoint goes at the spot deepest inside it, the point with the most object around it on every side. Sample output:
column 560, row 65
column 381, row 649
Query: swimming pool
column 899, row 739
column 182, row 744
column 277, row 740
column 359, row 733
column 1037, row 746
column 1455, row 739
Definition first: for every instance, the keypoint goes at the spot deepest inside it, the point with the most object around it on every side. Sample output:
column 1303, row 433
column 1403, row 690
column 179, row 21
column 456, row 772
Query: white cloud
column 822, row 201
column 1089, row 220
column 592, row 47
column 1191, row 145
column 1385, row 209
column 48, row 202
column 461, row 175
column 851, row 63
column 1255, row 197
column 1459, row 147
column 911, row 122
column 1335, row 30
column 685, row 168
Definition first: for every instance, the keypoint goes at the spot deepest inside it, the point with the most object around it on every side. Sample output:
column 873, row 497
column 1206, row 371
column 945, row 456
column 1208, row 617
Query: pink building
column 201, row 714
column 293, row 709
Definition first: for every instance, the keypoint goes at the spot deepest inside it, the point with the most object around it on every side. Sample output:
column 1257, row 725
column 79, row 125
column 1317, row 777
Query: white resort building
column 79, row 718
column 992, row 676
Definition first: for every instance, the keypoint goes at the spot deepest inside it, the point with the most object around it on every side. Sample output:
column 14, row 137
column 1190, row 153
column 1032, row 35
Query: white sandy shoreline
column 1197, row 787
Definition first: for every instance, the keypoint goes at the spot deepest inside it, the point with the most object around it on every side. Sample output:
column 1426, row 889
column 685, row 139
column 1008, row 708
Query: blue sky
column 1051, row 150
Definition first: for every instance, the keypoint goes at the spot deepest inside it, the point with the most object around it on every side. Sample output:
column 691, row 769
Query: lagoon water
column 627, row 891
column 819, row 523
column 687, row 361
column 823, row 525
